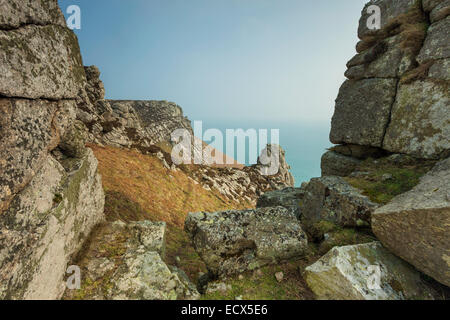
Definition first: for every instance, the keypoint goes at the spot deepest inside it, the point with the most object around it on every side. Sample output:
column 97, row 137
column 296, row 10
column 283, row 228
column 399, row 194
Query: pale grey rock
column 221, row 287
column 17, row 13
column 231, row 242
column 362, row 111
column 436, row 44
column 350, row 273
column 288, row 198
column 335, row 164
column 40, row 62
column 333, row 199
column 29, row 129
column 416, row 225
column 440, row 70
column 73, row 142
column 45, row 226
column 420, row 120
column 390, row 9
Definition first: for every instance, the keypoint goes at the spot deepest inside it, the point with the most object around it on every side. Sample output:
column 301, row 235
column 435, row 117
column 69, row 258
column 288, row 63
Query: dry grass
column 419, row 73
column 139, row 187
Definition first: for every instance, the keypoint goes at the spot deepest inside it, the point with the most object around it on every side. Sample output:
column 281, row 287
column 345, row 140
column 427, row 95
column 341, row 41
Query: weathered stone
column 16, row 13
column 288, row 198
column 335, row 164
column 429, row 5
column 440, row 70
column 390, row 9
column 45, row 226
column 385, row 60
column 420, row 121
column 73, row 141
column 29, row 129
column 416, row 225
column 436, row 44
column 333, row 199
column 358, row 152
column 351, row 272
column 362, row 111
column 231, row 242
column 440, row 11
column 40, row 62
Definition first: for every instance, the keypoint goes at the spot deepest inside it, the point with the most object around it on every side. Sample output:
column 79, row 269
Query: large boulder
column 420, row 126
column 365, row 272
column 416, row 225
column 40, row 62
column 231, row 242
column 332, row 199
column 45, row 225
column 440, row 70
column 126, row 262
column 335, row 164
column 362, row 111
column 288, row 198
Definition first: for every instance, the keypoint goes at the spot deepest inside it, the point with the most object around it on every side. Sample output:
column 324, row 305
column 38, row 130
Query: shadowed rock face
column 50, row 192
column 416, row 225
column 348, row 273
column 232, row 242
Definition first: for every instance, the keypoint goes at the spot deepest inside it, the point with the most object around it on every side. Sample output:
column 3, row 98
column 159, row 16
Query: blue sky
column 282, row 60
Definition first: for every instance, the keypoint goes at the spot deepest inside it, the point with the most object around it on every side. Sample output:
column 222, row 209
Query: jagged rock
column 45, row 225
column 288, row 198
column 440, row 70
column 362, row 111
column 420, row 127
column 333, row 199
column 74, row 139
column 335, row 164
column 267, row 160
column 350, row 273
column 231, row 242
column 385, row 60
column 16, row 13
column 440, row 11
column 40, row 62
column 436, row 44
column 29, row 129
column 390, row 9
column 416, row 225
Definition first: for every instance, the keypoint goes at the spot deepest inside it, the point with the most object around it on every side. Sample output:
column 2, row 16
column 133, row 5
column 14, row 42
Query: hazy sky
column 223, row 59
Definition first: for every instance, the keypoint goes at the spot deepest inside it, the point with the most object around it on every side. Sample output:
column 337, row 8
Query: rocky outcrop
column 332, row 199
column 382, row 104
column 365, row 272
column 231, row 242
column 50, row 192
column 416, row 225
column 46, row 224
column 126, row 262
column 288, row 198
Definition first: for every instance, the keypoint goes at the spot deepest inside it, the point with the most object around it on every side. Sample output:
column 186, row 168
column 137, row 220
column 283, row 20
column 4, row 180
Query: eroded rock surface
column 288, row 198
column 416, row 225
column 231, row 242
column 365, row 272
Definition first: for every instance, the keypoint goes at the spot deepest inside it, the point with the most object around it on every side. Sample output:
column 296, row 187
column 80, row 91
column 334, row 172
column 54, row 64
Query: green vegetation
column 385, row 180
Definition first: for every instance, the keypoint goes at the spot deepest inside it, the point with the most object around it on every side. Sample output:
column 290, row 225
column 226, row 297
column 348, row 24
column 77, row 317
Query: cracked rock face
column 333, row 199
column 362, row 111
column 232, row 242
column 416, row 225
column 365, row 272
column 288, row 198
column 420, row 126
column 45, row 225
